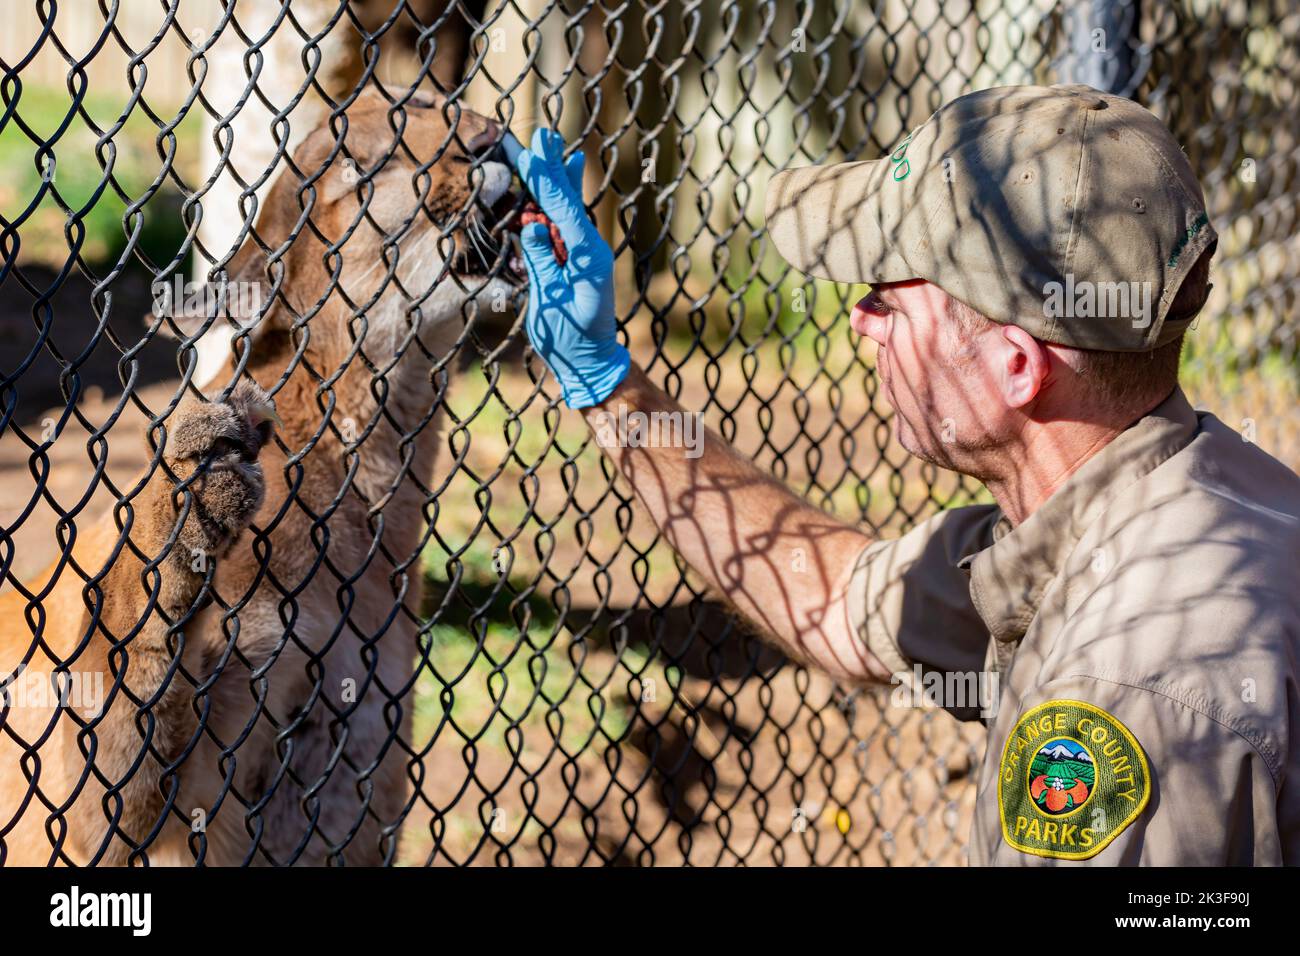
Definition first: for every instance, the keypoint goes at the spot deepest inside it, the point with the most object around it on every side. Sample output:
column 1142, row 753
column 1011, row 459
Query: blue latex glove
column 570, row 318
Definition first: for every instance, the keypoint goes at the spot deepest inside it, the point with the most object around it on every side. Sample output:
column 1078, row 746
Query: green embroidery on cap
column 899, row 158
column 1200, row 223
column 1072, row 778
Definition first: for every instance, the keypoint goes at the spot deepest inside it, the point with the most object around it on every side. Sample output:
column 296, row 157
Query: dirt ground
column 784, row 772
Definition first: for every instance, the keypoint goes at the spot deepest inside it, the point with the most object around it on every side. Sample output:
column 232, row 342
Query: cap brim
column 826, row 221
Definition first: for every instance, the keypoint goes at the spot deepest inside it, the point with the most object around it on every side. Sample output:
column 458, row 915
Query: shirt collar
column 1009, row 578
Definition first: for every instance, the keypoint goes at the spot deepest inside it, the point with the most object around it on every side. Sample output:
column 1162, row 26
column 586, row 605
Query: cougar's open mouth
column 487, row 244
column 483, row 242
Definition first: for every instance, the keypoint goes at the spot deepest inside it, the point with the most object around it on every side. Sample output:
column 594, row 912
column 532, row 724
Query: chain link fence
column 533, row 677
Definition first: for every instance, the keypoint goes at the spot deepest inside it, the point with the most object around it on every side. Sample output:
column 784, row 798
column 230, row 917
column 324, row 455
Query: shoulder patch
column 1072, row 778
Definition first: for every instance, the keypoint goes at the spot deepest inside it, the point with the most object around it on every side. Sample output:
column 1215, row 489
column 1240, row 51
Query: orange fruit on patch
column 1056, row 800
column 1038, row 786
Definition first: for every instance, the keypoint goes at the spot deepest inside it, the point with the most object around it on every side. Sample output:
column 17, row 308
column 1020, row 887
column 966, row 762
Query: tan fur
column 273, row 772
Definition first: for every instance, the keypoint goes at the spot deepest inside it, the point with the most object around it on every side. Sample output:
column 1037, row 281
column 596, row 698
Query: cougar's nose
column 483, row 139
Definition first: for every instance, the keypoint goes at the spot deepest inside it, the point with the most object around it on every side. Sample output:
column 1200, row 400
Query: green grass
column 489, row 679
column 797, row 310
column 501, row 686
column 81, row 160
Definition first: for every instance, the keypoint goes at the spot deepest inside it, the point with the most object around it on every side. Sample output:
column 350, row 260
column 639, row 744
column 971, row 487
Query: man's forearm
column 781, row 562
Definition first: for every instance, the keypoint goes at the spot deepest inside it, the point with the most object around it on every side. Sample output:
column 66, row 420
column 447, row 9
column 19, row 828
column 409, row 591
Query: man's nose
column 871, row 318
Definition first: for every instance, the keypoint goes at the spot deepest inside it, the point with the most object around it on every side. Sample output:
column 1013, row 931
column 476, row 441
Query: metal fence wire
column 449, row 635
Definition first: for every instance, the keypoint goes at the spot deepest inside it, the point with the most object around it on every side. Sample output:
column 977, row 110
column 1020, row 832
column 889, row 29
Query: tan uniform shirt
column 1141, row 631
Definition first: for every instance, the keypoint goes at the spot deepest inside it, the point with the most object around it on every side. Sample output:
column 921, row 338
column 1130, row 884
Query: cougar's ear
column 342, row 170
column 342, row 177
column 338, row 176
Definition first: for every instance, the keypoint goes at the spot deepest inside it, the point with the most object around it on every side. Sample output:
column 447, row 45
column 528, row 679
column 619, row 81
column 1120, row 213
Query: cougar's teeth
column 515, row 261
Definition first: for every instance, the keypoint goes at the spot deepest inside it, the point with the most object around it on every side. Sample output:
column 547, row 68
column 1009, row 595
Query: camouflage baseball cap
column 1066, row 211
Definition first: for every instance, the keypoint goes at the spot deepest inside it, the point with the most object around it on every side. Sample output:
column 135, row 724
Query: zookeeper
column 1036, row 256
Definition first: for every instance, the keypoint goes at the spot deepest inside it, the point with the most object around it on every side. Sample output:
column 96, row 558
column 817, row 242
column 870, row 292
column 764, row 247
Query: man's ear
column 1023, row 366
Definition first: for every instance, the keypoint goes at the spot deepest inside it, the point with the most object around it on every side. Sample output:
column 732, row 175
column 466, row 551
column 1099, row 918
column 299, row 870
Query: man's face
column 942, row 385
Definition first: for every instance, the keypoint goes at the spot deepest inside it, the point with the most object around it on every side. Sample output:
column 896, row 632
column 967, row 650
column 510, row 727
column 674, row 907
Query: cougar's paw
column 213, row 448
